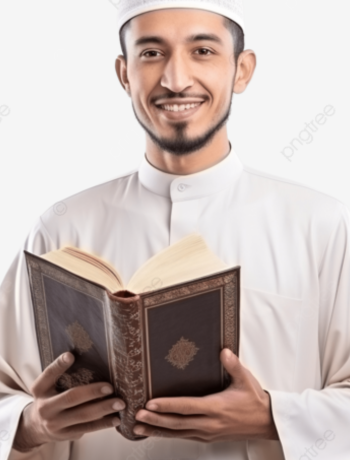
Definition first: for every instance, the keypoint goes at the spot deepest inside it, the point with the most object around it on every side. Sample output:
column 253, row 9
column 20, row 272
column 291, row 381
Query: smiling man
column 289, row 396
column 180, row 69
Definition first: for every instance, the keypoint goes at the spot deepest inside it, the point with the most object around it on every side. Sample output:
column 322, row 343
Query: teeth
column 179, row 108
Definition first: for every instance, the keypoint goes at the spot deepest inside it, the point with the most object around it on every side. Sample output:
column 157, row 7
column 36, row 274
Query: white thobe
column 293, row 246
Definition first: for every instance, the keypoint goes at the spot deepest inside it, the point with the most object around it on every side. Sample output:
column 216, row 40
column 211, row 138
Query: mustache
column 182, row 95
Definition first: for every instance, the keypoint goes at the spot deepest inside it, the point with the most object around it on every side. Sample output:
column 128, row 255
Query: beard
column 181, row 144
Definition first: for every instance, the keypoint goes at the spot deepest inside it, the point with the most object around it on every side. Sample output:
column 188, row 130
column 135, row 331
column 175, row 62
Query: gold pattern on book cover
column 231, row 326
column 182, row 353
column 79, row 337
column 81, row 377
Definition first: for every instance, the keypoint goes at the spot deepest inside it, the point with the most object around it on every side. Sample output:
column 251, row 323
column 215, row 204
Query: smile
column 179, row 107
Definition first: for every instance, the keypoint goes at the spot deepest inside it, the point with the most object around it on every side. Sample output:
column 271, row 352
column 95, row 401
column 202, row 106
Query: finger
column 234, row 367
column 90, row 412
column 98, row 425
column 48, row 378
column 76, row 396
column 179, row 405
column 146, row 430
column 174, row 422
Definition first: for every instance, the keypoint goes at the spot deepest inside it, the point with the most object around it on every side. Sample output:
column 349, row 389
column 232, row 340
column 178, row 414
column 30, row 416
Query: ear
column 245, row 69
column 121, row 69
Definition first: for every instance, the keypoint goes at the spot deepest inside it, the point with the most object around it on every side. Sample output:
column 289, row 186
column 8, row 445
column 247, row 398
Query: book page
column 87, row 266
column 186, row 260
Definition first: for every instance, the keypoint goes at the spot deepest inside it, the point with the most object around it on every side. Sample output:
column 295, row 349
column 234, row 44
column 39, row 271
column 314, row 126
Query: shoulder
column 102, row 189
column 87, row 205
column 299, row 211
column 292, row 194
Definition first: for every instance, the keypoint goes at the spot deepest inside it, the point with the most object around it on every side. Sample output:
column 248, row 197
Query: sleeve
column 19, row 354
column 315, row 423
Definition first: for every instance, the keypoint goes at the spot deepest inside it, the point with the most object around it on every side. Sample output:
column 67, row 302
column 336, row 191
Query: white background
column 71, row 126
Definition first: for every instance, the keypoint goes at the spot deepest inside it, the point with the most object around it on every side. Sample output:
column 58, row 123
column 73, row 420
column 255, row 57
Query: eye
column 204, row 51
column 151, row 53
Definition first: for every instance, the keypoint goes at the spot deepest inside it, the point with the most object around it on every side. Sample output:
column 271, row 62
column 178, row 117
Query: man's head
column 181, row 66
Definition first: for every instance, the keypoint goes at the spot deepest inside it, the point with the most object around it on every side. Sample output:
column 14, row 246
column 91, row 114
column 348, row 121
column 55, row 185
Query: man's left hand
column 239, row 413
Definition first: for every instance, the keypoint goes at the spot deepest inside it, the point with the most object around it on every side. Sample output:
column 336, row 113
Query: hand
column 66, row 416
column 241, row 412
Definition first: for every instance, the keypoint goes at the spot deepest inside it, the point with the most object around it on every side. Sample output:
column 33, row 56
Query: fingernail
column 138, row 430
column 118, row 406
column 152, row 406
column 228, row 353
column 106, row 390
column 115, row 421
column 67, row 358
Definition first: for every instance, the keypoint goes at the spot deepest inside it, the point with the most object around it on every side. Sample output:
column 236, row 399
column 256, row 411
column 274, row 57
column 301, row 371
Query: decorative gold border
column 40, row 313
column 231, row 303
column 37, row 269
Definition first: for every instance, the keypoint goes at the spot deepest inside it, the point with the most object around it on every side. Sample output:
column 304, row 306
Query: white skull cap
column 232, row 9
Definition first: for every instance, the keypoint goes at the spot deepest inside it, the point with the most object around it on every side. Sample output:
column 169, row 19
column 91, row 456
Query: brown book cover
column 164, row 342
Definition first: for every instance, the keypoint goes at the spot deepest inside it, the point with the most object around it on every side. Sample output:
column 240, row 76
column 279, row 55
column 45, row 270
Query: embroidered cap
column 232, row 9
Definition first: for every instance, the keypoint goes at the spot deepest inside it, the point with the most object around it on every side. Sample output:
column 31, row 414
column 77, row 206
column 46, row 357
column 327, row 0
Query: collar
column 191, row 186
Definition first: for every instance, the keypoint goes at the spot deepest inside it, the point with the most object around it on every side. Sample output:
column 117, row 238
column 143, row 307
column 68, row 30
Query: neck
column 208, row 156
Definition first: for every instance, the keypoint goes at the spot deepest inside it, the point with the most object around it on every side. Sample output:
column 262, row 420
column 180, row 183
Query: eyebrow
column 191, row 39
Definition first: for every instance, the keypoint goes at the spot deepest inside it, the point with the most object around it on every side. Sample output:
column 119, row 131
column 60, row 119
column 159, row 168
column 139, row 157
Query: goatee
column 181, row 144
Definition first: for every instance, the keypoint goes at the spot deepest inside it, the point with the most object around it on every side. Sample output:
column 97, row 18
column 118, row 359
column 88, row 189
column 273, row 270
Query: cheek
column 138, row 95
column 141, row 88
column 224, row 92
column 220, row 85
column 220, row 102
column 144, row 76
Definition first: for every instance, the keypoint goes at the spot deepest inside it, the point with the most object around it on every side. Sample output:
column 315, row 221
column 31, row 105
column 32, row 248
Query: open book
column 159, row 335
column 188, row 259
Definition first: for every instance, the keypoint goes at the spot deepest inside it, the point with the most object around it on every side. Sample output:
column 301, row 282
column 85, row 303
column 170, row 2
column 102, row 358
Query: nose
column 177, row 74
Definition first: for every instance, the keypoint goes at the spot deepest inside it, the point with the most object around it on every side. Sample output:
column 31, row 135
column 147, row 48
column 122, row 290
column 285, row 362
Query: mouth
column 179, row 110
column 179, row 107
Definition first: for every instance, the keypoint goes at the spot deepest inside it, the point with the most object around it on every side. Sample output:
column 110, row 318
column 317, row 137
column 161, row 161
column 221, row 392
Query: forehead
column 176, row 21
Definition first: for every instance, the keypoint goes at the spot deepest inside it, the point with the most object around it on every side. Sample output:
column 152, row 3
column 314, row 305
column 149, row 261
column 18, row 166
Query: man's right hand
column 66, row 416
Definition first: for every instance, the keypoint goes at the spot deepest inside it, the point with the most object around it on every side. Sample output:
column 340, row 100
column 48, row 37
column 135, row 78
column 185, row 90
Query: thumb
column 234, row 368
column 47, row 380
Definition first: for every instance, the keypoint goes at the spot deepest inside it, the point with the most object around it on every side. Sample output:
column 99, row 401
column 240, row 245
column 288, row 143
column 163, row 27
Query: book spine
column 126, row 335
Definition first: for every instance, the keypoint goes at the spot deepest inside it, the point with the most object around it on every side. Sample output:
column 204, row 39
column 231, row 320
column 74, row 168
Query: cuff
column 281, row 412
column 11, row 408
column 313, row 423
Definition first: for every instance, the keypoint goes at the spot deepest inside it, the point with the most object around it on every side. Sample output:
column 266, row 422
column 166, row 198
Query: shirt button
column 181, row 187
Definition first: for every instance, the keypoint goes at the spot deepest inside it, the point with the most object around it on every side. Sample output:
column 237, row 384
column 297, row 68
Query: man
column 290, row 391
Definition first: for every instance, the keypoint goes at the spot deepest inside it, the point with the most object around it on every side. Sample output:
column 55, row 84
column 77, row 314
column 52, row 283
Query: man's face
column 181, row 73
